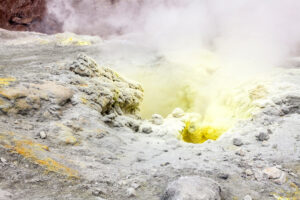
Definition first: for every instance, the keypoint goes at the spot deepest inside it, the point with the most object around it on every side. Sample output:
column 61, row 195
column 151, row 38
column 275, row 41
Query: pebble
column 43, row 135
column 240, row 152
column 293, row 174
column 131, row 192
column 262, row 136
column 281, row 180
column 272, row 172
column 249, row 172
column 177, row 113
column 157, row 119
column 223, row 176
column 147, row 129
column 237, row 142
column 98, row 192
column 3, row 160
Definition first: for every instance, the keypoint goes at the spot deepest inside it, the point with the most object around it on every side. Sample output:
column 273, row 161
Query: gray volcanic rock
column 193, row 188
column 105, row 89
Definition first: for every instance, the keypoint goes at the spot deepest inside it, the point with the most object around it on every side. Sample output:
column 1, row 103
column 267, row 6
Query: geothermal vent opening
column 212, row 101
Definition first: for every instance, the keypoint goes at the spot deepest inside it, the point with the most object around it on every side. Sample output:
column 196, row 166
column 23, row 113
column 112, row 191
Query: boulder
column 104, row 89
column 193, row 188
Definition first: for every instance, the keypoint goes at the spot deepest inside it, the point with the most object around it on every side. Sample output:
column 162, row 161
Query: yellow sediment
column 221, row 115
column 84, row 100
column 37, row 153
column 200, row 134
column 74, row 41
column 4, row 81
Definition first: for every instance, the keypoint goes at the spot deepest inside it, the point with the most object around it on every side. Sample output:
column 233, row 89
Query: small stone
column 157, row 119
column 259, row 165
column 17, row 121
column 272, row 172
column 281, row 180
column 164, row 164
column 131, row 192
column 240, row 152
column 117, row 124
column 293, row 174
column 146, row 129
column 177, row 113
column 249, row 172
column 98, row 192
column 199, row 154
column 237, row 142
column 109, row 118
column 223, row 176
column 262, row 136
column 3, row 160
column 265, row 144
column 43, row 135
column 247, row 197
column 270, row 131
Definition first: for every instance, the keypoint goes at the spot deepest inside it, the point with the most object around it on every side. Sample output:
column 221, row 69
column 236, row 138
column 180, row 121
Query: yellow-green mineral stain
column 194, row 133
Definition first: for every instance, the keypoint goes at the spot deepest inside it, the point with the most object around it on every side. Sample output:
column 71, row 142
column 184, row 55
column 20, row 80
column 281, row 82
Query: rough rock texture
column 26, row 15
column 29, row 98
column 193, row 188
column 21, row 14
column 91, row 154
column 104, row 89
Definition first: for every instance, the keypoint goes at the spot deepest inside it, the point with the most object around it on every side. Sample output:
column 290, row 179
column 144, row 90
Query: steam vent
column 149, row 100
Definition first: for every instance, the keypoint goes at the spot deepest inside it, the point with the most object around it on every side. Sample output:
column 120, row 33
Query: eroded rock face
column 104, row 89
column 29, row 99
column 27, row 15
column 193, row 188
column 21, row 14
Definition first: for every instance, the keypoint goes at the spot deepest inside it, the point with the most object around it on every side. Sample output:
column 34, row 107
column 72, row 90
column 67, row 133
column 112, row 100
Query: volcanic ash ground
column 74, row 127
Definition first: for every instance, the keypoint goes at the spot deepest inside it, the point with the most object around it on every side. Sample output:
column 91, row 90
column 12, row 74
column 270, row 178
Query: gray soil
column 117, row 161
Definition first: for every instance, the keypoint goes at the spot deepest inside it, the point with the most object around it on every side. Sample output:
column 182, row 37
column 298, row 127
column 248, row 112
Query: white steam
column 202, row 46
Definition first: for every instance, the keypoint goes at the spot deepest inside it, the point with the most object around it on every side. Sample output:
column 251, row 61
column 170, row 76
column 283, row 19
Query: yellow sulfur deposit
column 34, row 151
column 6, row 81
column 222, row 113
column 37, row 153
column 74, row 41
column 194, row 134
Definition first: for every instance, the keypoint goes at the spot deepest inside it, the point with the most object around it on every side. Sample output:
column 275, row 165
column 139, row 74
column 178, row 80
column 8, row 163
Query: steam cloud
column 200, row 46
